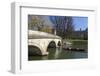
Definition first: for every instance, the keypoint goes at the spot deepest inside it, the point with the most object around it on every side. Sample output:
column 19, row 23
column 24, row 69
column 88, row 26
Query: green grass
column 78, row 43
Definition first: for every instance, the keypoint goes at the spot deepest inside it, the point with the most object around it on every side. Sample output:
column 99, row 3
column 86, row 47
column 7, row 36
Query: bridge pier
column 45, row 53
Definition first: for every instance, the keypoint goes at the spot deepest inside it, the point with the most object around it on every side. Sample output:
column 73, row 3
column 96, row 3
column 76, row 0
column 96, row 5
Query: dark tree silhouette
column 70, row 28
column 86, row 34
column 63, row 25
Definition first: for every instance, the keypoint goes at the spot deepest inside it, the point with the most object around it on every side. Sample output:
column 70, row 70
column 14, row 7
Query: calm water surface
column 58, row 53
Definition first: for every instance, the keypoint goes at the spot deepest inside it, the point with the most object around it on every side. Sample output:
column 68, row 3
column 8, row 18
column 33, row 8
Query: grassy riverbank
column 78, row 43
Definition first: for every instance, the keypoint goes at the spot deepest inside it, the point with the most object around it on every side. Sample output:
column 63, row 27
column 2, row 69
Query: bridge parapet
column 37, row 34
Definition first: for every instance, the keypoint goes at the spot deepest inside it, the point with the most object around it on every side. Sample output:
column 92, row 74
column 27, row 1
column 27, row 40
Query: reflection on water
column 59, row 53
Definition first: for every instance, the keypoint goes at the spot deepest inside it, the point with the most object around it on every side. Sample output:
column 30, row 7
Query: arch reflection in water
column 57, row 53
column 35, row 53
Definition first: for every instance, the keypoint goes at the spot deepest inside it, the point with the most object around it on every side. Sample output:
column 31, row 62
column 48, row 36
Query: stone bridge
column 42, row 40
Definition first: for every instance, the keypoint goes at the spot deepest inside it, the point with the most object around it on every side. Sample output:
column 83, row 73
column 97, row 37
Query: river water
column 58, row 53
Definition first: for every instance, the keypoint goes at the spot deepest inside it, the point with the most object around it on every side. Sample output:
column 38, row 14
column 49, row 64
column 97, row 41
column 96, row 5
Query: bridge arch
column 43, row 44
column 42, row 40
column 37, row 45
column 59, row 43
column 34, row 50
column 51, row 44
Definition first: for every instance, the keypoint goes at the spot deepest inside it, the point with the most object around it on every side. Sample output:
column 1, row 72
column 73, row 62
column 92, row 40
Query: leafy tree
column 35, row 22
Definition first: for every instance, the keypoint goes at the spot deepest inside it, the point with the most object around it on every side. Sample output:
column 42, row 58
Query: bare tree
column 63, row 25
